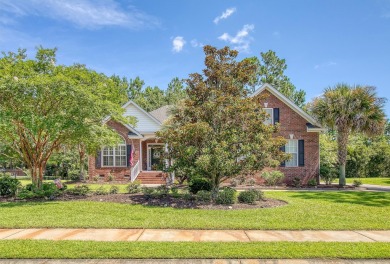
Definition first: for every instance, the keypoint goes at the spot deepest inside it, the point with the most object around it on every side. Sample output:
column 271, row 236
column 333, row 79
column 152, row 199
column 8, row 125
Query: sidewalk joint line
column 13, row 234
column 365, row 236
column 247, row 236
column 143, row 230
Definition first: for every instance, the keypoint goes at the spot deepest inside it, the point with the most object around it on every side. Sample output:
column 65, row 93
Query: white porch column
column 140, row 154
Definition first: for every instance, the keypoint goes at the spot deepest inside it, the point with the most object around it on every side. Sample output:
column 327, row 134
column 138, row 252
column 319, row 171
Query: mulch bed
column 166, row 201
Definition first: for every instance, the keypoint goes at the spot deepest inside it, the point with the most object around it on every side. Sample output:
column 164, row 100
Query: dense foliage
column 347, row 110
column 44, row 106
column 218, row 132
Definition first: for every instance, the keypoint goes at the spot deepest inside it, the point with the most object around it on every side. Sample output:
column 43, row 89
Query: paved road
column 195, row 235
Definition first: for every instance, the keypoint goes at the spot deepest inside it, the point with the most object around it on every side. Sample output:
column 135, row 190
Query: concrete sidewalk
column 175, row 235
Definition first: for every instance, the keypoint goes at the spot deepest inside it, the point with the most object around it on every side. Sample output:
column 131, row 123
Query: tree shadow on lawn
column 12, row 204
column 374, row 199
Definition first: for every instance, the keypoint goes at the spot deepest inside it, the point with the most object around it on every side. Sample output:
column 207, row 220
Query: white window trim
column 114, row 166
column 272, row 114
column 296, row 144
column 148, row 160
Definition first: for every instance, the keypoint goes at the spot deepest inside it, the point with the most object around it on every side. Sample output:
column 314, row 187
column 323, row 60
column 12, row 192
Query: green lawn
column 306, row 210
column 92, row 186
column 89, row 249
column 375, row 181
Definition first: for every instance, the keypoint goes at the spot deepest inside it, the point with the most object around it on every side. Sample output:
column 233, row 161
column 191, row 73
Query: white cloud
column 241, row 40
column 196, row 44
column 82, row 13
column 326, row 64
column 228, row 12
column 178, row 44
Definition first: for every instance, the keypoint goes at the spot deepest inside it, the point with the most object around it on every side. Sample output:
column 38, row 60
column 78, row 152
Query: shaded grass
column 92, row 186
column 141, row 250
column 374, row 181
column 304, row 211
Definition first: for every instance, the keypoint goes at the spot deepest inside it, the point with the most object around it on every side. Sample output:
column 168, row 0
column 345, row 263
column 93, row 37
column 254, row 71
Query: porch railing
column 135, row 171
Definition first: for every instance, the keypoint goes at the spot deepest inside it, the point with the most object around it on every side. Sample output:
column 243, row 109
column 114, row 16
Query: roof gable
column 146, row 123
column 287, row 101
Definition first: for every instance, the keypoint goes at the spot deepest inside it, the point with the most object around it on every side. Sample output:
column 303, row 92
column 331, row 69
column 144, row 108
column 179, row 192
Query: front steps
column 151, row 177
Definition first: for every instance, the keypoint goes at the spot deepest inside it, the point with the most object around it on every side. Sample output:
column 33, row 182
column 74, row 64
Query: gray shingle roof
column 162, row 113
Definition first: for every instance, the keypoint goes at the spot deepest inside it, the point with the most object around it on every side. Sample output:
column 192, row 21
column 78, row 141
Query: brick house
column 138, row 156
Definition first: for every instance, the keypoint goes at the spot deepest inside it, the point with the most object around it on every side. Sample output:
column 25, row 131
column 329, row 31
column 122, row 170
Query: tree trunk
column 81, row 148
column 342, row 141
column 37, row 176
column 342, row 180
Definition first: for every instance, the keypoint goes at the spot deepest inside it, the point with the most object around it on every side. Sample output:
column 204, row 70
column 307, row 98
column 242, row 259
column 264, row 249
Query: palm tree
column 349, row 109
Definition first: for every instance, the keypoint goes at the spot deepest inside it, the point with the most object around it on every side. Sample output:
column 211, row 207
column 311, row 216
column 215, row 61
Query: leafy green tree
column 218, row 132
column 44, row 106
column 349, row 109
column 270, row 69
column 175, row 91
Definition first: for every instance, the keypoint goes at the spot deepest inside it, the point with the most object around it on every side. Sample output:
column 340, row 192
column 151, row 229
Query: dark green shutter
column 98, row 160
column 276, row 115
column 128, row 148
column 283, row 163
column 301, row 153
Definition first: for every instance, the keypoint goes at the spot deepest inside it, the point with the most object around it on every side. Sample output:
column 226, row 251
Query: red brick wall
column 293, row 123
column 118, row 172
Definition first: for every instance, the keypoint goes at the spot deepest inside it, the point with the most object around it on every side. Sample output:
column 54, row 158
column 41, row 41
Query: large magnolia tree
column 349, row 109
column 44, row 106
column 218, row 132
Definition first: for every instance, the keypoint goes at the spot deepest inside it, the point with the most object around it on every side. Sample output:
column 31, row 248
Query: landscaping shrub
column 296, row 182
column 113, row 189
column 233, row 182
column 250, row 196
column 74, row 175
column 49, row 190
column 188, row 197
column 162, row 191
column 175, row 191
column 251, row 181
column 101, row 191
column 312, row 183
column 134, row 187
column 9, row 186
column 110, row 177
column 328, row 173
column 149, row 192
column 272, row 178
column 226, row 196
column 96, row 178
column 81, row 190
column 357, row 183
column 199, row 184
column 203, row 196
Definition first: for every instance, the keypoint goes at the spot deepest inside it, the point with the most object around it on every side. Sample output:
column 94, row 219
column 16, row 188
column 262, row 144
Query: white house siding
column 145, row 123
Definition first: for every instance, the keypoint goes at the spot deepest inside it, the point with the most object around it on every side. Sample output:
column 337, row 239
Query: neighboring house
column 139, row 156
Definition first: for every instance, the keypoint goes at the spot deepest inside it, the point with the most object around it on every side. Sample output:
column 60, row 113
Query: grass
column 141, row 250
column 305, row 210
column 374, row 181
column 92, row 186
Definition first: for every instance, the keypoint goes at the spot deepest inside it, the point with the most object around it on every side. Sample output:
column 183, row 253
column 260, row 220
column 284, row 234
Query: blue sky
column 323, row 42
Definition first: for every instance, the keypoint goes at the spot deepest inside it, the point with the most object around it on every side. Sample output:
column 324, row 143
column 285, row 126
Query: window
column 115, row 156
column 292, row 148
column 270, row 116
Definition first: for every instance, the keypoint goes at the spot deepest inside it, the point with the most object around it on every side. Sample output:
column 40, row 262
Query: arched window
column 115, row 156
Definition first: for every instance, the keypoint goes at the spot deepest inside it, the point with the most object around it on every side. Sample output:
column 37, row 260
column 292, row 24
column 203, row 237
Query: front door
column 155, row 157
